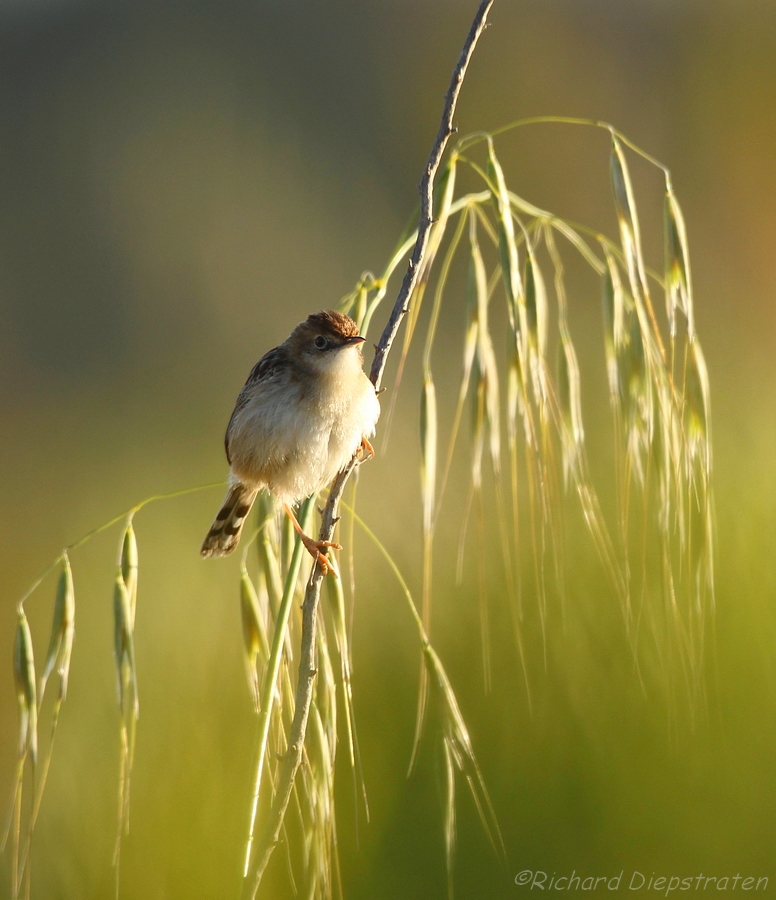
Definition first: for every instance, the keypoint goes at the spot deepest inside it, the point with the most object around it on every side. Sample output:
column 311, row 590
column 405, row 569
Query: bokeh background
column 179, row 185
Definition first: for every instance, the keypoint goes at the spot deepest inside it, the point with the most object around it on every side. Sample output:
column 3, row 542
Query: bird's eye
column 321, row 343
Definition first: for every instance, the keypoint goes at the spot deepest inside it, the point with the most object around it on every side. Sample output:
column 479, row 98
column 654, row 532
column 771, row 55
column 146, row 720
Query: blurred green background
column 179, row 185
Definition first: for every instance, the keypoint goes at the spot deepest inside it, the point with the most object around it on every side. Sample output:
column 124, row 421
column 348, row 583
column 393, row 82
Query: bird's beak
column 350, row 342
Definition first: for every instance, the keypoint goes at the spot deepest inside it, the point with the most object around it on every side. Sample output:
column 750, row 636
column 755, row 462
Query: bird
column 305, row 410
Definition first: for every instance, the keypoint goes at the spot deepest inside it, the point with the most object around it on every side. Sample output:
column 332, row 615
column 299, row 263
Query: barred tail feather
column 225, row 531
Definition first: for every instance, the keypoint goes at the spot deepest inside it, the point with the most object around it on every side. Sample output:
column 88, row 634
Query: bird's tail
column 225, row 531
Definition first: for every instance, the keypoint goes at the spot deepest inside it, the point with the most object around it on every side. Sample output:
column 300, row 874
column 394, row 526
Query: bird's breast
column 294, row 439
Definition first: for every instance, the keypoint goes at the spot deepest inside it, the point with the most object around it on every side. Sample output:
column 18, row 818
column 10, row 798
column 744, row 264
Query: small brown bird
column 305, row 410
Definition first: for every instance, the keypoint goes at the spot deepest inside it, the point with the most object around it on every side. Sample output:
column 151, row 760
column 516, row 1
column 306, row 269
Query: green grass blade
column 273, row 667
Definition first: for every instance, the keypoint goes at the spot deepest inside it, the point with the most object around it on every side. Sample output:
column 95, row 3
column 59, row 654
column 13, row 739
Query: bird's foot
column 314, row 548
column 365, row 451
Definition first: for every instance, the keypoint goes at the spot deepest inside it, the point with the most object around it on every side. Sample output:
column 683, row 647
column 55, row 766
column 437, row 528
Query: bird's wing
column 265, row 370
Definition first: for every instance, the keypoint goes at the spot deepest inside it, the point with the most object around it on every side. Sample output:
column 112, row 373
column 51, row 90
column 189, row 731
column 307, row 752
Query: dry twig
column 307, row 670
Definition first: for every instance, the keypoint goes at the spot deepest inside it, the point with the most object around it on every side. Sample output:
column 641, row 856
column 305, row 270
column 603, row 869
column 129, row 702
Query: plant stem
column 304, row 690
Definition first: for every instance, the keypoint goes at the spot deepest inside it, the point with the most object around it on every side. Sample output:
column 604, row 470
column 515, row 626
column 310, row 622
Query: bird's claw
column 365, row 451
column 314, row 549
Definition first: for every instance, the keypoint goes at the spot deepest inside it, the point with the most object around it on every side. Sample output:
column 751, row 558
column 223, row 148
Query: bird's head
column 327, row 341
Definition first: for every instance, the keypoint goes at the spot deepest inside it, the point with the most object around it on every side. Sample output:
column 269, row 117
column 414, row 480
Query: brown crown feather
column 331, row 324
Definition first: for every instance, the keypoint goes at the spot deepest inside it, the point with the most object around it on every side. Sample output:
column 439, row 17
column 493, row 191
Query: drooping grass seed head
column 609, row 302
column 129, row 566
column 627, row 218
column 461, row 752
column 697, row 396
column 62, row 631
column 486, row 374
column 677, row 265
column 24, row 678
column 625, row 206
column 535, row 306
column 124, row 646
column 622, row 188
column 570, row 399
column 255, row 645
column 507, row 244
column 360, row 302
